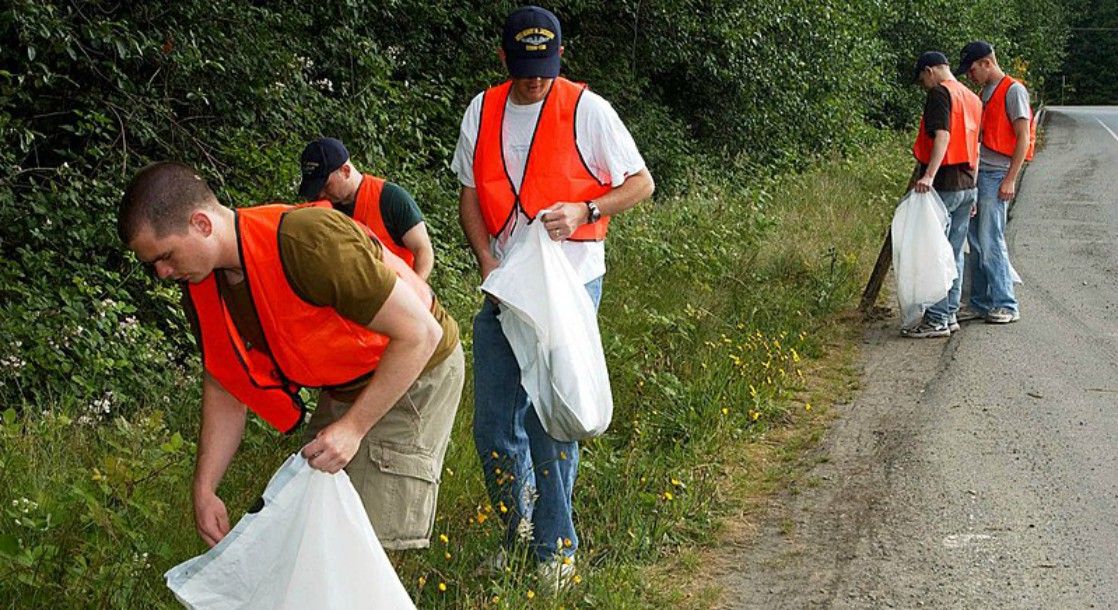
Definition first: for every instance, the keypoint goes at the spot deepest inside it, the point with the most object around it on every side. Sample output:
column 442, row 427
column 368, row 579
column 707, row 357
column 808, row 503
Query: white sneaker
column 1002, row 315
column 555, row 575
column 494, row 565
column 967, row 313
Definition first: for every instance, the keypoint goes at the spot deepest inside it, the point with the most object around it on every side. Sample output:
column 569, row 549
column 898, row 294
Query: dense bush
column 718, row 93
column 714, row 91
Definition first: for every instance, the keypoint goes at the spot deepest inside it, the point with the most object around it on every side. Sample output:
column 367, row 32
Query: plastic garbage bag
column 923, row 263
column 552, row 327
column 309, row 546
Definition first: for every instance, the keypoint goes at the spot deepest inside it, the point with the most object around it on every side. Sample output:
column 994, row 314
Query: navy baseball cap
column 319, row 159
column 531, row 41
column 972, row 52
column 928, row 59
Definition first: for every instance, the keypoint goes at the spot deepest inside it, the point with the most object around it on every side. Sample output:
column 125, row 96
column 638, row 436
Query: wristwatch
column 595, row 213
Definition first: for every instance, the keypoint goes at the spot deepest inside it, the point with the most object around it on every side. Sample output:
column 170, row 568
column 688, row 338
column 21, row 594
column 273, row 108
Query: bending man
column 283, row 298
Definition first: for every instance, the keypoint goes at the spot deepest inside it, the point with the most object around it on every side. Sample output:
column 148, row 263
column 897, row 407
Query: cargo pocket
column 400, row 491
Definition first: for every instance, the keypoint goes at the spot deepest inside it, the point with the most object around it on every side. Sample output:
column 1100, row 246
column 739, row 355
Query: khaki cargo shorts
column 398, row 467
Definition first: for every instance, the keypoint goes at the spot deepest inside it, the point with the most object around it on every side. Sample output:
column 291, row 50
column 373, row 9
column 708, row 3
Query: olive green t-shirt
column 330, row 262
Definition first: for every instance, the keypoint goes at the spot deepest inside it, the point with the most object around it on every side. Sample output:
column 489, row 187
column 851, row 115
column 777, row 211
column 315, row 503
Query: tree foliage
column 1087, row 74
column 714, row 91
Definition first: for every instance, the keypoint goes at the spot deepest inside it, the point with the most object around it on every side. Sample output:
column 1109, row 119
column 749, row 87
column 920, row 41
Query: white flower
column 524, row 530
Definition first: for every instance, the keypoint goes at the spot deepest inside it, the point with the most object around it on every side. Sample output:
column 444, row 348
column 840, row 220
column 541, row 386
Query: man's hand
column 562, row 218
column 333, row 447
column 210, row 517
column 973, row 210
column 486, row 264
column 1008, row 189
column 924, row 184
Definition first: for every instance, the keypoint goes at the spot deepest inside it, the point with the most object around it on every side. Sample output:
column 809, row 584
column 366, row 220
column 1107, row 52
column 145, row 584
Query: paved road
column 979, row 471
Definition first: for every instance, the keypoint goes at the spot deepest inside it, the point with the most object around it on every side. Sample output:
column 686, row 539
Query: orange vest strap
column 307, row 345
column 554, row 169
column 998, row 134
column 366, row 210
column 965, row 123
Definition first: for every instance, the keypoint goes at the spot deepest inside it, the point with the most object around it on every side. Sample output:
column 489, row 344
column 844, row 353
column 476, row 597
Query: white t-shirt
column 605, row 144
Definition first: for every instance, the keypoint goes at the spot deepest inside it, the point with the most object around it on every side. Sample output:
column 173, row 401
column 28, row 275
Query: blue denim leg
column 992, row 286
column 529, row 473
column 958, row 204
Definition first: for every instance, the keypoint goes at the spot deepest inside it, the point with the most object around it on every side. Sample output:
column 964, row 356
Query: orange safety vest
column 307, row 345
column 366, row 210
column 997, row 129
column 554, row 169
column 966, row 118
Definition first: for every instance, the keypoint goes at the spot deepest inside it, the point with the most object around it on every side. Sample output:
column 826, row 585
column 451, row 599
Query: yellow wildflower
column 530, row 594
column 442, row 587
column 443, row 539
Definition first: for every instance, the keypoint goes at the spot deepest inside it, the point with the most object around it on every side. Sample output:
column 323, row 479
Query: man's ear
column 561, row 49
column 346, row 169
column 201, row 222
column 503, row 57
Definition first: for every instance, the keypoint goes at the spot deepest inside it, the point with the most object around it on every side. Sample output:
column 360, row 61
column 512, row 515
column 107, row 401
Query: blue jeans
column 958, row 205
column 526, row 471
column 991, row 278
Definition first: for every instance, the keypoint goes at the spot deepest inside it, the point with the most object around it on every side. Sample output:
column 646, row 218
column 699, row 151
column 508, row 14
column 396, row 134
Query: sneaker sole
column 932, row 335
column 1002, row 320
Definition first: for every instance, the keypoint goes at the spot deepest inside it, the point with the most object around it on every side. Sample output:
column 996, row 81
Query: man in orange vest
column 283, row 298
column 386, row 208
column 946, row 152
column 1008, row 138
column 536, row 148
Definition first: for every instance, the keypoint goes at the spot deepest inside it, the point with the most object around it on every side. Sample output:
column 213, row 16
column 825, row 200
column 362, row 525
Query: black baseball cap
column 928, row 59
column 972, row 52
column 319, row 159
column 531, row 41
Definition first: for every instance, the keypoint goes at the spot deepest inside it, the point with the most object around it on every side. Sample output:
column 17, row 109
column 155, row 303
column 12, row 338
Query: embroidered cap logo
column 535, row 39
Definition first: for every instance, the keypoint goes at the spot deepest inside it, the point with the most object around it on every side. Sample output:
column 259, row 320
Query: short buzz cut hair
column 162, row 196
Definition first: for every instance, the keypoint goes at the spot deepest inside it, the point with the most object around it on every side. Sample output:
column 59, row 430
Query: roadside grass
column 722, row 321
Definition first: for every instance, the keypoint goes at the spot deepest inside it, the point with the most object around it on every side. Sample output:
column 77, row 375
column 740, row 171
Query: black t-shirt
column 937, row 116
column 397, row 208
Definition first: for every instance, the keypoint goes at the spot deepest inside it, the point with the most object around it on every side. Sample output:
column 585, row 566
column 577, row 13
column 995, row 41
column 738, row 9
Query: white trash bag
column 552, row 327
column 923, row 262
column 310, row 546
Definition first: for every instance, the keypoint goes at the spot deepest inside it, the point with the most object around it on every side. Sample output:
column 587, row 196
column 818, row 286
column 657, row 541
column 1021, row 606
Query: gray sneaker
column 1002, row 315
column 926, row 330
column 967, row 313
column 953, row 324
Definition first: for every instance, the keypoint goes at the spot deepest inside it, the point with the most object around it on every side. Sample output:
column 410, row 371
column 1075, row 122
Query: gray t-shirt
column 1016, row 107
